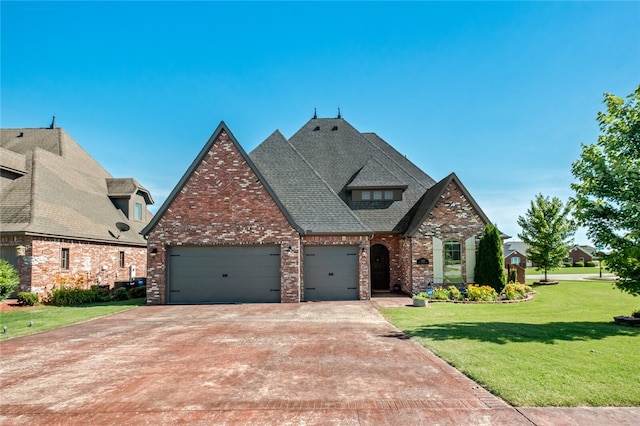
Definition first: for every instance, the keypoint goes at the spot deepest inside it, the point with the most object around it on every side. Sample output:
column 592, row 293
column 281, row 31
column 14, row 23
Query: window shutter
column 470, row 250
column 438, row 269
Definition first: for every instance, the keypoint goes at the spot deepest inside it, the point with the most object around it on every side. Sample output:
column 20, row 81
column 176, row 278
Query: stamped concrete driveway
column 309, row 363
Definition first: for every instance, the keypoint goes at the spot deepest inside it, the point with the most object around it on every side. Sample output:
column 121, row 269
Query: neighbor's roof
column 510, row 247
column 61, row 191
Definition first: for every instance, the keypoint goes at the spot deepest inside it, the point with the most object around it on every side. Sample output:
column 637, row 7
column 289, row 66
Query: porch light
column 21, row 251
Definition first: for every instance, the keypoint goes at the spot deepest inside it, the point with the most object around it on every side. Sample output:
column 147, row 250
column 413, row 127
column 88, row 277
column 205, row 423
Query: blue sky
column 501, row 93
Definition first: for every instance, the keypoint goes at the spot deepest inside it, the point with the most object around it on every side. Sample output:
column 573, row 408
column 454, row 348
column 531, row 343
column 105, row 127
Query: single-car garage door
column 224, row 274
column 330, row 273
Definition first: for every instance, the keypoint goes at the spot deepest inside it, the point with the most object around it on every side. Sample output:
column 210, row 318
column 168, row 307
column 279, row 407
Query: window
column 388, row 195
column 122, row 259
column 452, row 262
column 366, row 195
column 515, row 260
column 64, row 259
column 138, row 212
column 377, row 195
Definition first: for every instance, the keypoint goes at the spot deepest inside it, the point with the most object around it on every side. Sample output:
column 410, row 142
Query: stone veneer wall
column 452, row 219
column 223, row 202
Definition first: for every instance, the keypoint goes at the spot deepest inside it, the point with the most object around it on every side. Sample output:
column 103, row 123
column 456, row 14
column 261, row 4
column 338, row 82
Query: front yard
column 28, row 320
column 560, row 349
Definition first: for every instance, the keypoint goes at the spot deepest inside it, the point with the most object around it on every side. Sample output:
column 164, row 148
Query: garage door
column 330, row 273
column 224, row 274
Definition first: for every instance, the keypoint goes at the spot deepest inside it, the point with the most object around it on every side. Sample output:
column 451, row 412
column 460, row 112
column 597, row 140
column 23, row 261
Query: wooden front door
column 379, row 268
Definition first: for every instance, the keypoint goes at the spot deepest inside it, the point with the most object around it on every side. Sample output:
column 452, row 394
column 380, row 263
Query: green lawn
column 560, row 349
column 595, row 271
column 48, row 317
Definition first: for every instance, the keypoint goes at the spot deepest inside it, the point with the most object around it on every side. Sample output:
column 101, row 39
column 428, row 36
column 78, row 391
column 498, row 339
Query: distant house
column 329, row 214
column 582, row 254
column 63, row 215
column 515, row 253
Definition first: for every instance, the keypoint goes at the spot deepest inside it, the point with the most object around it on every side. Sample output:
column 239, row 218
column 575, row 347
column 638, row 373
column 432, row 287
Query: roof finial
column 53, row 123
column 315, row 114
column 339, row 115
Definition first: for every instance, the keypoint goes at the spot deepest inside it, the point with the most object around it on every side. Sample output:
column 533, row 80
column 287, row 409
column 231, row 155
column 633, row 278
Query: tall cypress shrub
column 489, row 268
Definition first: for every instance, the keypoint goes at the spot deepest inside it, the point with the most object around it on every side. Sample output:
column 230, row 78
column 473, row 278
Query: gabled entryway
column 379, row 268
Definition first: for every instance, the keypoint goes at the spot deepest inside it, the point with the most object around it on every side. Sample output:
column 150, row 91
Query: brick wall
column 452, row 219
column 223, row 202
column 98, row 263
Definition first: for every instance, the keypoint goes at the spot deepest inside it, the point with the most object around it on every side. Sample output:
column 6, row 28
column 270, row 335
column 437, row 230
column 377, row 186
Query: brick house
column 63, row 215
column 582, row 254
column 328, row 214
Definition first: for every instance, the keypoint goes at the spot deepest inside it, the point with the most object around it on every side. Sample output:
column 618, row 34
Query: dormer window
column 377, row 194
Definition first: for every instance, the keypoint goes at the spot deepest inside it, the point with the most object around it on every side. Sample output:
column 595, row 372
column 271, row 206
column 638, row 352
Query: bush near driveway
column 560, row 349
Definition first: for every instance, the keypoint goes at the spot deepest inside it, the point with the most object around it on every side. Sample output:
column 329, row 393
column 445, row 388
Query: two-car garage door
column 251, row 274
column 224, row 274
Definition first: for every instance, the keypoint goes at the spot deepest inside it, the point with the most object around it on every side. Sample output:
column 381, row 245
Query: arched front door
column 379, row 268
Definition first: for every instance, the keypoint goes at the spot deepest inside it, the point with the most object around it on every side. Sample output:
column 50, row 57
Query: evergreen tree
column 489, row 268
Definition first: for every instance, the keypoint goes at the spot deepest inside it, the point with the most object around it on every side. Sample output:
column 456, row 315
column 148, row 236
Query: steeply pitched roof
column 344, row 158
column 63, row 191
column 311, row 201
column 431, row 198
column 222, row 127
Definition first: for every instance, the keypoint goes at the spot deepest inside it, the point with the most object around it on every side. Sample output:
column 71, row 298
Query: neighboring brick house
column 582, row 254
column 329, row 214
column 63, row 215
column 515, row 253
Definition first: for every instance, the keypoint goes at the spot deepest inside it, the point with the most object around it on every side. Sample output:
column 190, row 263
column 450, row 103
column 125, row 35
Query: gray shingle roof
column 63, row 192
column 343, row 158
column 314, row 206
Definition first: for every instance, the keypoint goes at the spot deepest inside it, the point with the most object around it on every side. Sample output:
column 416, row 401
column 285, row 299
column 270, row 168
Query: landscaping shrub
column 26, row 298
column 73, row 296
column 138, row 292
column 440, row 294
column 579, row 265
column 567, row 264
column 120, row 294
column 483, row 293
column 590, row 264
column 454, row 293
column 9, row 279
column 421, row 296
column 516, row 291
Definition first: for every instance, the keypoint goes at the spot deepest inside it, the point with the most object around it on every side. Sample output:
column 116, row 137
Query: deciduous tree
column 548, row 230
column 607, row 194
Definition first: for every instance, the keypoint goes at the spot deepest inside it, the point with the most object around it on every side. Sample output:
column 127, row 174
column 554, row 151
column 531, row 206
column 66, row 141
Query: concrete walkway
column 309, row 363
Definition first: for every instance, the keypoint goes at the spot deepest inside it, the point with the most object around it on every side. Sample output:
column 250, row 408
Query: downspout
column 410, row 266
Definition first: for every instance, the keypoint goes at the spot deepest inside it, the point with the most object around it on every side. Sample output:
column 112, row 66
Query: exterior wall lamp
column 21, row 251
column 154, row 251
